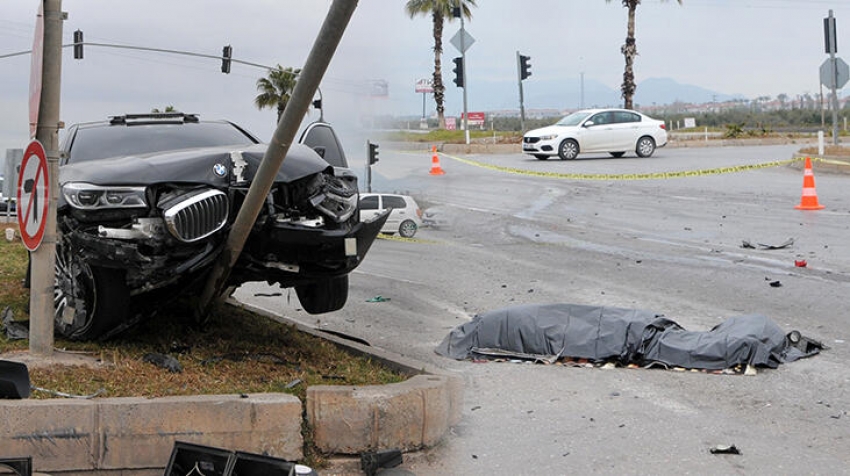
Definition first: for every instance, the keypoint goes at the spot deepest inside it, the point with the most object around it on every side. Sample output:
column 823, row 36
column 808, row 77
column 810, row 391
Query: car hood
column 212, row 166
column 551, row 130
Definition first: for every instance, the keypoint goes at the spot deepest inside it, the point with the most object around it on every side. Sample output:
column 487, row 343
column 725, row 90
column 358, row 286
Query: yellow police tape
column 646, row 176
column 386, row 236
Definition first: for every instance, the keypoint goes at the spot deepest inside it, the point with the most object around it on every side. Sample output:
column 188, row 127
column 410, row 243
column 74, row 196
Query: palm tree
column 629, row 50
column 440, row 10
column 276, row 89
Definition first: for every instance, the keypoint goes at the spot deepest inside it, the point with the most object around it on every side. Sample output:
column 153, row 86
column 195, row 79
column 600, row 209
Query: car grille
column 197, row 216
column 531, row 140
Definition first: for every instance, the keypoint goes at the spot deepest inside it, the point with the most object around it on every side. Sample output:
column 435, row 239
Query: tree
column 276, row 89
column 167, row 109
column 440, row 10
column 629, row 50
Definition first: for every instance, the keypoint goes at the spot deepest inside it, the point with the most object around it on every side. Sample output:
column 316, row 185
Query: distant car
column 405, row 218
column 147, row 201
column 615, row 131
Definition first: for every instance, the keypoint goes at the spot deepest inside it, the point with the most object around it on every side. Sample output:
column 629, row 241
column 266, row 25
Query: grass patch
column 828, row 150
column 235, row 352
column 453, row 137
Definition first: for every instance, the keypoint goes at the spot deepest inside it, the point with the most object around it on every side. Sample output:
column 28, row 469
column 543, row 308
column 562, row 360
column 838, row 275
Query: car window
column 323, row 139
column 394, row 202
column 601, row 118
column 92, row 143
column 369, row 203
column 573, row 119
column 625, row 116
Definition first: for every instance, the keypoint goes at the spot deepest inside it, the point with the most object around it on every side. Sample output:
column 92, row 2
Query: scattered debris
column 371, row 462
column 166, row 362
column 800, row 263
column 725, row 450
column 293, row 383
column 99, row 392
column 14, row 330
column 14, row 380
column 776, row 284
column 378, row 299
column 762, row 246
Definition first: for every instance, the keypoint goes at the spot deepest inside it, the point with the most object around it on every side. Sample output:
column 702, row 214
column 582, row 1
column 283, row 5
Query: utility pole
column 43, row 259
column 311, row 75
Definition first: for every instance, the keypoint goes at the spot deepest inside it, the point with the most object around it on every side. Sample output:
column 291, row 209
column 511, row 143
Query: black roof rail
column 153, row 118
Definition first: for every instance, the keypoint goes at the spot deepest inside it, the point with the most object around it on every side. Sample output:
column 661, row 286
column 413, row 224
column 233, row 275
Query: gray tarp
column 604, row 334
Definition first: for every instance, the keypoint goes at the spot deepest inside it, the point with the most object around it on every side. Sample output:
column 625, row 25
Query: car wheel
column 568, row 149
column 323, row 296
column 541, row 156
column 645, row 147
column 617, row 155
column 407, row 228
column 88, row 300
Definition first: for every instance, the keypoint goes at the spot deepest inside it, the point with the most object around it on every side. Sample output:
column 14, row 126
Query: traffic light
column 78, row 44
column 373, row 153
column 458, row 71
column 524, row 67
column 226, row 54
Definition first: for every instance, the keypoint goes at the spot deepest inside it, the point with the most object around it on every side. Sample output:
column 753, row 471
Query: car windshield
column 573, row 119
column 93, row 143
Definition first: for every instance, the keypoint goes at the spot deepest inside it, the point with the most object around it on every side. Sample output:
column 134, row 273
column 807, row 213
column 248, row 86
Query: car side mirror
column 588, row 123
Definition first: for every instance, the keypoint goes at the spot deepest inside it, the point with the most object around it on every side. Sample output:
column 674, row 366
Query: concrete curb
column 135, row 436
column 410, row 415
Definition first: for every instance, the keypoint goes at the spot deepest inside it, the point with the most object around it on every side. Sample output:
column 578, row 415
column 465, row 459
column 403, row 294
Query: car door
column 625, row 131
column 399, row 210
column 597, row 136
column 370, row 207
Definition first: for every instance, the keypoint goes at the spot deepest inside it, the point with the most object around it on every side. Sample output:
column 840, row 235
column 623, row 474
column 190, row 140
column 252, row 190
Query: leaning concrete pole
column 297, row 107
column 44, row 258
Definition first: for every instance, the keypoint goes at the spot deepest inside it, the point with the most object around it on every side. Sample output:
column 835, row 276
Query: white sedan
column 615, row 131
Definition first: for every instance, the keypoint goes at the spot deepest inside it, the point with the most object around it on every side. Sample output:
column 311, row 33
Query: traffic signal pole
column 465, row 79
column 521, row 100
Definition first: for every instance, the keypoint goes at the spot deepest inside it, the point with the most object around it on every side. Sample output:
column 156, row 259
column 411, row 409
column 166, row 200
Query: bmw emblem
column 220, row 170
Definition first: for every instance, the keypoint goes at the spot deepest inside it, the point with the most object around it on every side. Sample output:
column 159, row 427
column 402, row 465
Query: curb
column 135, row 436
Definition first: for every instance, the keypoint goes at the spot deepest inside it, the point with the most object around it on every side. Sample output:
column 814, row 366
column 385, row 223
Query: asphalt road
column 671, row 245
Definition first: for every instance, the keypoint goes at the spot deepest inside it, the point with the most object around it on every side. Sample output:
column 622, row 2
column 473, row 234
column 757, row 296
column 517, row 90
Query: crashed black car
column 146, row 203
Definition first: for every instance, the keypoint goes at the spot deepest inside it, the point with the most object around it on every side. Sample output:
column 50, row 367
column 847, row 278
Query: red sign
column 424, row 86
column 33, row 198
column 475, row 118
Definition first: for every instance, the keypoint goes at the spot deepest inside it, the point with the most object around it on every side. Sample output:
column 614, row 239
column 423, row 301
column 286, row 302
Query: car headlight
column 549, row 137
column 87, row 196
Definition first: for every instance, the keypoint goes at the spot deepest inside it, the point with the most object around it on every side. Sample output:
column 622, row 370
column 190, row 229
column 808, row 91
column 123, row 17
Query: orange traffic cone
column 810, row 196
column 435, row 162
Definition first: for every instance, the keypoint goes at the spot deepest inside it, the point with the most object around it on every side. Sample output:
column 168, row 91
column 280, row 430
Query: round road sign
column 33, row 198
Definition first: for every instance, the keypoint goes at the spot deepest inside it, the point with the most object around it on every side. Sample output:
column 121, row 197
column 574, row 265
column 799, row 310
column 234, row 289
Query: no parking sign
column 33, row 198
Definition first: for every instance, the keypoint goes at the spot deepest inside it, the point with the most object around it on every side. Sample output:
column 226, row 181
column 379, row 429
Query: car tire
column 407, row 228
column 89, row 300
column 568, row 150
column 323, row 296
column 617, row 155
column 645, row 146
column 541, row 156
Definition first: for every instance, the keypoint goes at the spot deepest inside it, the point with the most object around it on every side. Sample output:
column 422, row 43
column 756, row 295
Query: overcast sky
column 747, row 47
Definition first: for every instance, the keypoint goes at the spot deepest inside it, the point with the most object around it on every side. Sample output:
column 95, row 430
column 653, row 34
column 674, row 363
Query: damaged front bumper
column 290, row 253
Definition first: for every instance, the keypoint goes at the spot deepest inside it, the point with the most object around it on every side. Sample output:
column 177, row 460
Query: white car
column 615, row 131
column 405, row 218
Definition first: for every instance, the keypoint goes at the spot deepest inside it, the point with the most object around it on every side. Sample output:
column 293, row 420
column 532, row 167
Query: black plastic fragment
column 371, row 462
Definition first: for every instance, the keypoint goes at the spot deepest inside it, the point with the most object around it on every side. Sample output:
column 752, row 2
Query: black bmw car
column 146, row 203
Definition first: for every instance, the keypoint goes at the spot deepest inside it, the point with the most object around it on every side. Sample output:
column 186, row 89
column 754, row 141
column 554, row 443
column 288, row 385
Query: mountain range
column 569, row 94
